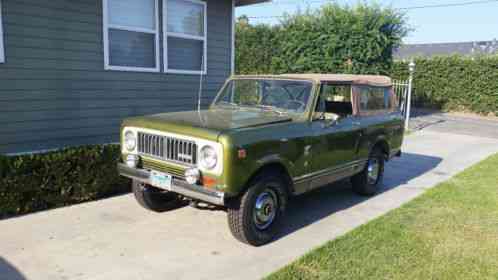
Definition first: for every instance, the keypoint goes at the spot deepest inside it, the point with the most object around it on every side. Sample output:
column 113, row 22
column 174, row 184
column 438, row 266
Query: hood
column 208, row 124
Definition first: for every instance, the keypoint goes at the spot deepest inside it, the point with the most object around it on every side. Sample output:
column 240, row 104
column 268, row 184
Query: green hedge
column 454, row 83
column 333, row 39
column 35, row 182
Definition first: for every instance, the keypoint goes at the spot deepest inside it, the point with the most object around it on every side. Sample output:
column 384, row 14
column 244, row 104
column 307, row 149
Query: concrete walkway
column 116, row 239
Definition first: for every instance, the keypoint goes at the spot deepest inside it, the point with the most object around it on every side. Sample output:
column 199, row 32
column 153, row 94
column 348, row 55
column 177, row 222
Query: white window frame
column 2, row 49
column 232, row 43
column 184, row 36
column 106, row 26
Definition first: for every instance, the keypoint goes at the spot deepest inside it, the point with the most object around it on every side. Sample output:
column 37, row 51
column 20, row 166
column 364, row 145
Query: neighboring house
column 71, row 70
column 409, row 51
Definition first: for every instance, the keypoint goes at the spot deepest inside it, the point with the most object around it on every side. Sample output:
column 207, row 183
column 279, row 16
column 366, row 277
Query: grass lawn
column 450, row 232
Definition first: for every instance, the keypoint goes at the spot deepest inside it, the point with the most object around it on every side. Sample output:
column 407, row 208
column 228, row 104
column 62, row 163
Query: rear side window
column 375, row 100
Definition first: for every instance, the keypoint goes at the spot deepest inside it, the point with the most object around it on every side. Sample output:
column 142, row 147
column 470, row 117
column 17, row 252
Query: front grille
column 167, row 148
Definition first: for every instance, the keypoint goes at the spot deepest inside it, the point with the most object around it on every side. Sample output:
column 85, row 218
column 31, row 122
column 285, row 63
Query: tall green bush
column 41, row 181
column 454, row 83
column 335, row 38
column 255, row 47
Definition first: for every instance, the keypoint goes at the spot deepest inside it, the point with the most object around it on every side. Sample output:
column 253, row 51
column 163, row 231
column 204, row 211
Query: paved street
column 116, row 239
column 456, row 124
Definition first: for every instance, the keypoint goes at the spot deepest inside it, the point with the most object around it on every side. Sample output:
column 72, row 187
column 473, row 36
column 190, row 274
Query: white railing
column 401, row 90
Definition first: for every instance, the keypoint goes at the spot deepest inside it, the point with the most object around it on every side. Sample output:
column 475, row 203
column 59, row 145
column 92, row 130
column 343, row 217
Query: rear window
column 375, row 100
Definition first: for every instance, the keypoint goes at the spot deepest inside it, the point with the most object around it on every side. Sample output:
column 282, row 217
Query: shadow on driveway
column 9, row 272
column 311, row 207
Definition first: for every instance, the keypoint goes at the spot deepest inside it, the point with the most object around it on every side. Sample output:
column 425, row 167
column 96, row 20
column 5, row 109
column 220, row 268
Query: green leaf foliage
column 333, row 39
column 35, row 182
column 454, row 83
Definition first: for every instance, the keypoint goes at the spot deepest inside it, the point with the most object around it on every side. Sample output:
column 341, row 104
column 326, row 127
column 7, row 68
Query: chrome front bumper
column 177, row 186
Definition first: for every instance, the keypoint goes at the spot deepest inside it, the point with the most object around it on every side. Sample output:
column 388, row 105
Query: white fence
column 403, row 92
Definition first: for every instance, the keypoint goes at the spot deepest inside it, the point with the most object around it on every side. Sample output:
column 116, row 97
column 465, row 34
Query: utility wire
column 449, row 5
column 469, row 3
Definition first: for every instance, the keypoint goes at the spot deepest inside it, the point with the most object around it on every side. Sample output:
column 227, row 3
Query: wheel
column 255, row 218
column 367, row 182
column 155, row 199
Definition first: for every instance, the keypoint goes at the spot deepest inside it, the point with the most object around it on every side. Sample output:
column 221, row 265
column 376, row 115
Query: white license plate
column 160, row 180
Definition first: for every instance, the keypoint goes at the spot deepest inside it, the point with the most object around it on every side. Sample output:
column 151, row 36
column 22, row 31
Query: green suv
column 263, row 140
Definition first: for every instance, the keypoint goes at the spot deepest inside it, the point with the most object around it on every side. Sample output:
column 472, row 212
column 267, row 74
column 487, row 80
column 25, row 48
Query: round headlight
column 208, row 157
column 130, row 141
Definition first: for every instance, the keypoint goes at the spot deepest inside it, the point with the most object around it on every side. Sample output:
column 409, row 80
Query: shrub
column 41, row 181
column 335, row 38
column 255, row 46
column 454, row 83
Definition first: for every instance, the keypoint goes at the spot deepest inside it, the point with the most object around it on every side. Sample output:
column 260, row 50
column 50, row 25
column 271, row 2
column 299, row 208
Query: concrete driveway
column 116, row 239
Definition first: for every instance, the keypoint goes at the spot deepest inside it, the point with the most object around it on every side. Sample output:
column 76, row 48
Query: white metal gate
column 402, row 89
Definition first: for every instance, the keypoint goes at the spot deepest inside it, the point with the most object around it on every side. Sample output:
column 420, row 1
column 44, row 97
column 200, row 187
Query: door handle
column 356, row 123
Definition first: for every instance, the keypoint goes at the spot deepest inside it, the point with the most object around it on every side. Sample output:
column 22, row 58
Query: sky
column 477, row 22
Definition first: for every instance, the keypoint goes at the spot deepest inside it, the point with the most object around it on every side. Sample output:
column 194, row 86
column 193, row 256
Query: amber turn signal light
column 209, row 182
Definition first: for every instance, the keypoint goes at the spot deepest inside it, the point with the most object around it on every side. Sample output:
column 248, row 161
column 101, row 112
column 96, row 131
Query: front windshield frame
column 305, row 111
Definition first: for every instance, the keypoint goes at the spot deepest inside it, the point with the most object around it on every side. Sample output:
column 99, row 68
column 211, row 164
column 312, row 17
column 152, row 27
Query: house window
column 2, row 53
column 131, row 35
column 184, row 26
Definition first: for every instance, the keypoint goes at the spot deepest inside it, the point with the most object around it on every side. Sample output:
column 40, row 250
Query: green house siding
column 54, row 91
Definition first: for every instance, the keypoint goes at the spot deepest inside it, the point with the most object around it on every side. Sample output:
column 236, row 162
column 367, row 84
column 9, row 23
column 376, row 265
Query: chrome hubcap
column 373, row 171
column 265, row 209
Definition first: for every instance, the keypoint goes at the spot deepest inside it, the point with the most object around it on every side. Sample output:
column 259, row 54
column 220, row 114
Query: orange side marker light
column 209, row 182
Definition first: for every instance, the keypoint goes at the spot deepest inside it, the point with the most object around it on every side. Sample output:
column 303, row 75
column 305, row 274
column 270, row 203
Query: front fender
column 274, row 159
column 241, row 171
column 276, row 144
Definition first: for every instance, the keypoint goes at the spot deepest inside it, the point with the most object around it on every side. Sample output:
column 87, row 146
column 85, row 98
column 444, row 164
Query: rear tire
column 155, row 199
column 368, row 181
column 256, row 217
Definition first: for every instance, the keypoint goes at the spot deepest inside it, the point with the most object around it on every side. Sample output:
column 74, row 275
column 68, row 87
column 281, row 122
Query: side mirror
column 329, row 122
column 318, row 116
column 330, row 119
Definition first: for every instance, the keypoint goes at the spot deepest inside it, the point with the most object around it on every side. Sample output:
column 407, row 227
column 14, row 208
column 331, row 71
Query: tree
column 333, row 39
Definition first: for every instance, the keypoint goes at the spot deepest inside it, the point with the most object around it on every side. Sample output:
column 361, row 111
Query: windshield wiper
column 271, row 108
column 226, row 103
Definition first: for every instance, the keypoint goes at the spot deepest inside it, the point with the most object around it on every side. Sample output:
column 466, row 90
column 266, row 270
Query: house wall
column 54, row 91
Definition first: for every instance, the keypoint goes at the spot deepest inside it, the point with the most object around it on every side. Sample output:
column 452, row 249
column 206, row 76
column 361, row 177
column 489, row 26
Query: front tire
column 155, row 199
column 368, row 181
column 256, row 217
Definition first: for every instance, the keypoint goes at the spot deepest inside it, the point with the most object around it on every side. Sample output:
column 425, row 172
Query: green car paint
column 304, row 148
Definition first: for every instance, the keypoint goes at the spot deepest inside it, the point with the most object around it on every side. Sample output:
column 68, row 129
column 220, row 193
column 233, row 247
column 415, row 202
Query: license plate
column 160, row 180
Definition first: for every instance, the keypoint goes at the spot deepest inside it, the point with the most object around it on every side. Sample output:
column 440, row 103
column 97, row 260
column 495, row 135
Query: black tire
column 155, row 199
column 241, row 211
column 362, row 185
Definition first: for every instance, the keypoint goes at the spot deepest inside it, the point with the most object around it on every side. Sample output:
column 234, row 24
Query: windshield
column 276, row 95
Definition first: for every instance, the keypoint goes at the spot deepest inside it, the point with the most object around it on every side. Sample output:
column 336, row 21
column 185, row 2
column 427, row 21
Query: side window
column 334, row 101
column 393, row 99
column 2, row 53
column 375, row 100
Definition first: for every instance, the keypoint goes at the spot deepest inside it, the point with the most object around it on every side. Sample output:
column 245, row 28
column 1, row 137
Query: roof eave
column 240, row 3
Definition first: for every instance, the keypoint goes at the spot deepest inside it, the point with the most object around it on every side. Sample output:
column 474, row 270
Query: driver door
column 335, row 135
